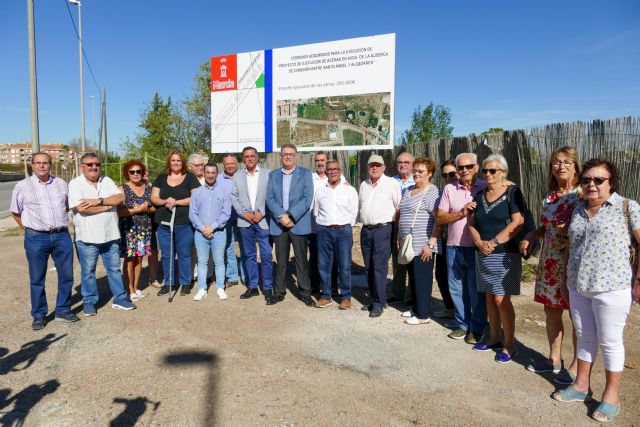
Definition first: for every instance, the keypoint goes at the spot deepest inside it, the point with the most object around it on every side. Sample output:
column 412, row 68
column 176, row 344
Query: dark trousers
column 38, row 247
column 334, row 247
column 314, row 273
column 376, row 249
column 300, row 245
column 399, row 287
column 421, row 286
column 442, row 277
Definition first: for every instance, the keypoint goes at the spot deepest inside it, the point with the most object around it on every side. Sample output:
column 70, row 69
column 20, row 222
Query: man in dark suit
column 248, row 199
column 289, row 196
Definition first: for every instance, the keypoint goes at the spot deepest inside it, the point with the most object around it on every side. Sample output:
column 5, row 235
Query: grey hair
column 472, row 155
column 413, row 159
column 497, row 158
column 192, row 158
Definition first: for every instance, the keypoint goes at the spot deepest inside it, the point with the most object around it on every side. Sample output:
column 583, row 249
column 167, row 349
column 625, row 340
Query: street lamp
column 83, row 147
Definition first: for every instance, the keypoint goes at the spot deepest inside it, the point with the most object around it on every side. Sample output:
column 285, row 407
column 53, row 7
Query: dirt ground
column 242, row 363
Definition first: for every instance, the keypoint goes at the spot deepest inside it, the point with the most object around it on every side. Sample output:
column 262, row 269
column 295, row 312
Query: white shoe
column 200, row 295
column 407, row 313
column 134, row 297
column 222, row 294
column 140, row 294
column 413, row 320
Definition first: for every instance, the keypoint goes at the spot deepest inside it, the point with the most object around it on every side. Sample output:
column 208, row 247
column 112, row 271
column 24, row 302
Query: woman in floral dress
column 136, row 224
column 551, row 287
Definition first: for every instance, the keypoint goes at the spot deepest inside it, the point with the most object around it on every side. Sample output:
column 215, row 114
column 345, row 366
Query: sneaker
column 472, row 338
column 89, row 309
column 413, row 320
column 457, row 334
column 322, row 303
column 566, row 377
column 123, row 305
column 163, row 291
column 487, row 347
column 345, row 304
column 200, row 295
column 185, row 290
column 222, row 294
column 544, row 367
column 407, row 313
column 133, row 297
column 68, row 317
column 38, row 323
column 504, row 357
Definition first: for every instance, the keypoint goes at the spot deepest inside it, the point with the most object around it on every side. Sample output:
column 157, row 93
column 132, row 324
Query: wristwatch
column 101, row 200
column 430, row 246
column 495, row 241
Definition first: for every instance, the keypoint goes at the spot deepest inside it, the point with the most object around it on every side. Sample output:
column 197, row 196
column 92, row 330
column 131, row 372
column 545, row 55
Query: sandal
column 155, row 284
column 570, row 394
column 608, row 411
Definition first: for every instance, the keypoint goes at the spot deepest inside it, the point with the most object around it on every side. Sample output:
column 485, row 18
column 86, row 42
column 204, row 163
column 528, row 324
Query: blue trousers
column 469, row 304
column 182, row 242
column 335, row 244
column 233, row 266
column 88, row 254
column 38, row 247
column 376, row 250
column 252, row 236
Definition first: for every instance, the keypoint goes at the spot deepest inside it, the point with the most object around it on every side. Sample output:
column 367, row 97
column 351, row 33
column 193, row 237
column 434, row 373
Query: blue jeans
column 38, row 246
column 182, row 242
column 338, row 242
column 88, row 254
column 250, row 236
column 469, row 304
column 233, row 235
column 421, row 286
column 215, row 246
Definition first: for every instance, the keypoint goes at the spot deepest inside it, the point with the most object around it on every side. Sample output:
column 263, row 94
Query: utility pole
column 33, row 83
column 83, row 146
column 104, row 129
column 93, row 121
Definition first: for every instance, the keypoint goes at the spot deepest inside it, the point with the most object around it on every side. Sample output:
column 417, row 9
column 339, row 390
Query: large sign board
column 334, row 96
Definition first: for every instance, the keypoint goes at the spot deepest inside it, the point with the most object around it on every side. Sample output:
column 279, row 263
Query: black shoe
column 163, row 290
column 250, row 293
column 308, row 301
column 68, row 317
column 376, row 312
column 38, row 323
column 270, row 300
column 231, row 283
column 185, row 290
column 280, row 298
column 366, row 307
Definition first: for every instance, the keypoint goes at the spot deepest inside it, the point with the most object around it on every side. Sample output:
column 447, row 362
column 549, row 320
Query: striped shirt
column 427, row 201
column 41, row 205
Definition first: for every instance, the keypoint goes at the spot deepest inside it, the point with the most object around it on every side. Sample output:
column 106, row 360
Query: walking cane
column 171, row 255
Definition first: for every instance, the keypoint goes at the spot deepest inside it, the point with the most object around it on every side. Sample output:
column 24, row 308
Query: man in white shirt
column 379, row 201
column 93, row 199
column 335, row 208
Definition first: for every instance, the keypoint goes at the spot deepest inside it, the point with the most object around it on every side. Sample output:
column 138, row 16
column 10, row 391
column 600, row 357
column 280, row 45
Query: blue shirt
column 226, row 182
column 210, row 206
column 286, row 185
column 404, row 186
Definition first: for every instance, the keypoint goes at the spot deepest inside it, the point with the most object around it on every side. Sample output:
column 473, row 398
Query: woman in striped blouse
column 417, row 217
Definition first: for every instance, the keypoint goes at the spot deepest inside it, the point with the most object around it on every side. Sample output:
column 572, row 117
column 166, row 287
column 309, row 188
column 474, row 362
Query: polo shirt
column 454, row 197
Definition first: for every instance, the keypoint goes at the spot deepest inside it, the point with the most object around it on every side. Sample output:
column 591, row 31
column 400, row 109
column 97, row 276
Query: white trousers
column 599, row 319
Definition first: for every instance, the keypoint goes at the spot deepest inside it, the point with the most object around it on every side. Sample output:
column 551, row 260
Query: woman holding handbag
column 418, row 237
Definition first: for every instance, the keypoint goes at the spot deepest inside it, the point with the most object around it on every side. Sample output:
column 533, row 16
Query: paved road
column 5, row 197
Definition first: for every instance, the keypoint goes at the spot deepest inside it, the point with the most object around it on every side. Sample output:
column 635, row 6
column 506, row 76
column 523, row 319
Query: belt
column 374, row 226
column 51, row 231
column 335, row 225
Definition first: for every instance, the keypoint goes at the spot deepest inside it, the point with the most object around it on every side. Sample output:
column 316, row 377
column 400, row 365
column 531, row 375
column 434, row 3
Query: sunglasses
column 333, row 169
column 491, row 171
column 448, row 174
column 586, row 180
column 96, row 164
column 135, row 171
column 467, row 167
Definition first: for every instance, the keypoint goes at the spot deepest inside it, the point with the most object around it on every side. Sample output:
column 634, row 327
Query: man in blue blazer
column 289, row 196
column 248, row 198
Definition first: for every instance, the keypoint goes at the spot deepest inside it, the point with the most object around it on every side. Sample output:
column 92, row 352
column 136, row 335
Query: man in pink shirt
column 456, row 207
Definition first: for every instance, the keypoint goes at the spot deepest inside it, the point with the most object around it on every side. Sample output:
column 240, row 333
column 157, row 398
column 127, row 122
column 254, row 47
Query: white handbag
column 406, row 252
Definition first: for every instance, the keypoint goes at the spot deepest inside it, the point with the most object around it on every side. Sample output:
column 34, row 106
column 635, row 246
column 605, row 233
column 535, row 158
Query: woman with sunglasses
column 551, row 286
column 497, row 219
column 602, row 282
column 135, row 224
column 417, row 217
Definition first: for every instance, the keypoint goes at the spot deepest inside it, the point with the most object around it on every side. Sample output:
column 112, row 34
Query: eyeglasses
column 448, row 174
column 374, row 165
column 467, row 167
column 135, row 171
column 333, row 170
column 565, row 163
column 403, row 162
column 586, row 180
column 198, row 165
column 420, row 171
column 491, row 171
column 287, row 154
column 91, row 165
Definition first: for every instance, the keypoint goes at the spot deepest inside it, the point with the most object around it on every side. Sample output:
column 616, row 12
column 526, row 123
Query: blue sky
column 502, row 64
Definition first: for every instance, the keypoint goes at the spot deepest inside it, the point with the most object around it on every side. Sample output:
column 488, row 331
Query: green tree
column 427, row 124
column 194, row 129
column 491, row 131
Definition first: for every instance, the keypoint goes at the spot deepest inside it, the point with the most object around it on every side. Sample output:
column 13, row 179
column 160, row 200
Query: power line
column 84, row 54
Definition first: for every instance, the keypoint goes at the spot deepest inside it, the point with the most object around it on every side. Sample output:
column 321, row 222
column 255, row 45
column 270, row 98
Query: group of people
column 471, row 232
